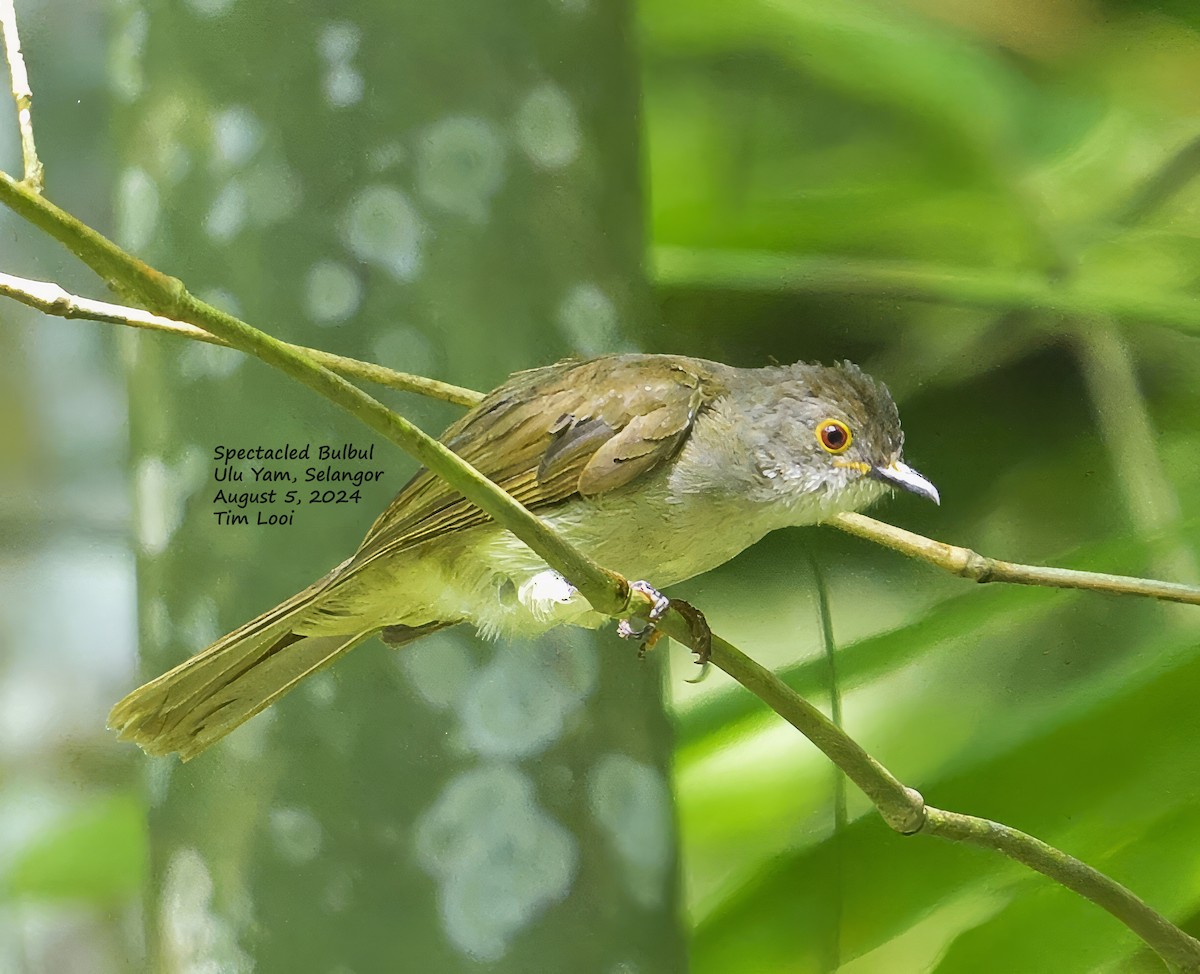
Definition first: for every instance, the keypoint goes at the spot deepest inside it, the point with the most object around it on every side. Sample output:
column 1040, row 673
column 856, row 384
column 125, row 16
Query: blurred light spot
column 631, row 803
column 519, row 704
column 321, row 689
column 157, row 517
column 295, row 834
column 248, row 742
column 200, row 360
column 337, row 42
column 157, row 773
column 210, row 8
column 339, row 893
column 343, row 86
column 157, row 620
column 548, row 128
column 381, row 227
column 160, row 492
column 332, row 292
column 439, row 667
column 195, row 940
column 408, row 349
column 30, row 705
column 136, row 209
column 200, row 626
column 588, row 320
column 227, row 214
column 222, row 299
column 274, row 191
column 237, row 135
column 386, row 156
column 498, row 858
column 176, row 163
column 125, row 56
column 460, row 165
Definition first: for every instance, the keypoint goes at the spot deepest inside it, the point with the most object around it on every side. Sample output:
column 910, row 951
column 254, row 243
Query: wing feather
column 548, row 435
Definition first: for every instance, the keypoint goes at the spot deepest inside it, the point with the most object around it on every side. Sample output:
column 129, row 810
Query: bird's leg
column 649, row 634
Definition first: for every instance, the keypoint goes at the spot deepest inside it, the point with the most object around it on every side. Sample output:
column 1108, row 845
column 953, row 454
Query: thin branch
column 53, row 300
column 22, row 95
column 963, row 286
column 1171, row 943
column 980, row 568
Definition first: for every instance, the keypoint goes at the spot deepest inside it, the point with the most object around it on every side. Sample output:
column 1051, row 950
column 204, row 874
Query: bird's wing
column 551, row 434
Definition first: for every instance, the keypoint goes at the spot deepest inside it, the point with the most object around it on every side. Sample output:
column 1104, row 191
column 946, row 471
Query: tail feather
column 205, row 697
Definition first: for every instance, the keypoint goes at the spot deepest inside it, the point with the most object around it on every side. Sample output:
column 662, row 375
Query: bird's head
column 832, row 431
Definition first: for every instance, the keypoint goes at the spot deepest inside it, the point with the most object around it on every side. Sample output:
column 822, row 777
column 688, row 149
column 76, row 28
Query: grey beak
column 901, row 475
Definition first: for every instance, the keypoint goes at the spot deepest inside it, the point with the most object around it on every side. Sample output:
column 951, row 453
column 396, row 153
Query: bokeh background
column 989, row 206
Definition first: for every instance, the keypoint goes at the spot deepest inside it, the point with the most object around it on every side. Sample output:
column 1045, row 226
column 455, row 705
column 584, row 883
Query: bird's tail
column 204, row 698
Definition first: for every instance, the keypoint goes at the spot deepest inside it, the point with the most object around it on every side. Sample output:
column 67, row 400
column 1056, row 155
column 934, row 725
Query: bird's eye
column 834, row 436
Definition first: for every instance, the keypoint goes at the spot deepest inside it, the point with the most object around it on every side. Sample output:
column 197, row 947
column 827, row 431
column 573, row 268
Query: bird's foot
column 649, row 633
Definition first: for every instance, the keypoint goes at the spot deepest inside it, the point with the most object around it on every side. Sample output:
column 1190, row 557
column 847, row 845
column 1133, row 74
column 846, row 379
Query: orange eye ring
column 834, row 436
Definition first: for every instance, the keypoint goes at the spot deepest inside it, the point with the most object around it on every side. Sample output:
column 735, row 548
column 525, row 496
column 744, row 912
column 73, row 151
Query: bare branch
column 1171, row 943
column 53, row 300
column 22, row 95
column 971, row 564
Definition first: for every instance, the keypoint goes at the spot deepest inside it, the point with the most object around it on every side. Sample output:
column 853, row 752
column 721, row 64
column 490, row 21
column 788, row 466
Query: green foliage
column 1010, row 165
column 97, row 853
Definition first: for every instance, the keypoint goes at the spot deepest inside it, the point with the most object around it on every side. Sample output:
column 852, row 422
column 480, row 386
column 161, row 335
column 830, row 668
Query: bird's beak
column 901, row 475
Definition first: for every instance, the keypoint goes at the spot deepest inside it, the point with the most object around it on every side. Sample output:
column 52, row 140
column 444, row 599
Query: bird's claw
column 649, row 634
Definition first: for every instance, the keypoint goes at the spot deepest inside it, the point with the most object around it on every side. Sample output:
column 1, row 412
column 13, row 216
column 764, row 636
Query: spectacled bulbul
column 659, row 467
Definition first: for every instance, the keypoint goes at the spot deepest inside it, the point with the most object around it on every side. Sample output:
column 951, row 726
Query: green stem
column 980, row 568
column 902, row 808
column 1171, row 943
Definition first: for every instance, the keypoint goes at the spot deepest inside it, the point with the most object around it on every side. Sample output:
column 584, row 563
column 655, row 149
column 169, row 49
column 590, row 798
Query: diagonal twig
column 51, row 299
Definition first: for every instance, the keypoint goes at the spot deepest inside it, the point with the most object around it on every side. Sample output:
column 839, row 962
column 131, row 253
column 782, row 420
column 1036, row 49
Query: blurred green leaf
column 1097, row 793
column 97, row 853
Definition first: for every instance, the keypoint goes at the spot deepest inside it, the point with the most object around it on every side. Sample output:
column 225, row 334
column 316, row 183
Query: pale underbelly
column 487, row 577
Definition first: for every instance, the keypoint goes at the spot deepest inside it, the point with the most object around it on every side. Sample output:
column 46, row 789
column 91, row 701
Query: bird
column 659, row 467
